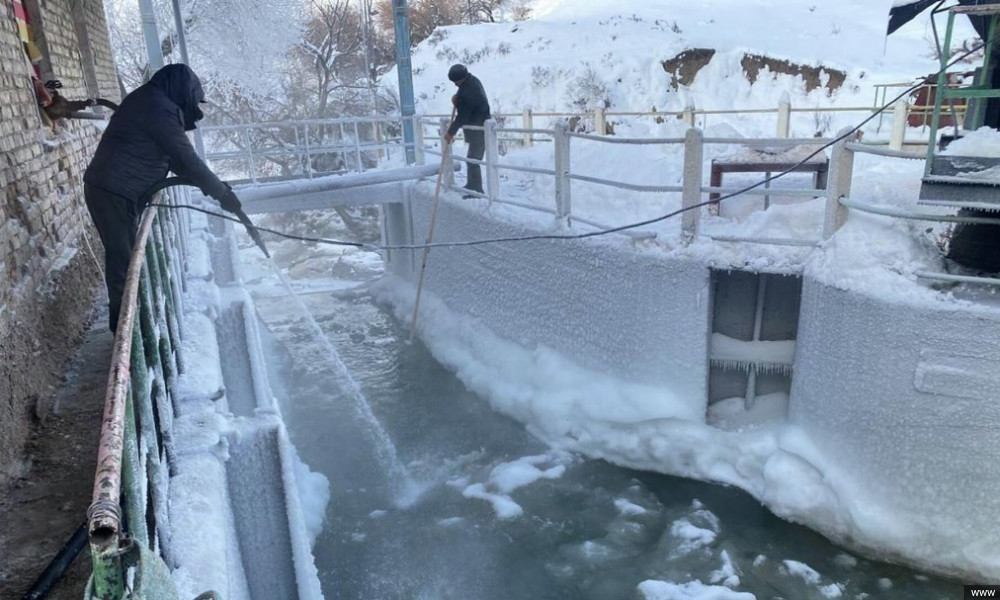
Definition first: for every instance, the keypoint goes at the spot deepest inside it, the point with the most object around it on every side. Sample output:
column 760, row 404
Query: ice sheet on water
column 507, row 477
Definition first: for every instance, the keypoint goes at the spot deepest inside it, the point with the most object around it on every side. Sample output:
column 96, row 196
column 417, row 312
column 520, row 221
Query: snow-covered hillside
column 581, row 54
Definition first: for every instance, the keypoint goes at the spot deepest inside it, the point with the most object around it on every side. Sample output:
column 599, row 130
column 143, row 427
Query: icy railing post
column 600, row 122
column 694, row 151
column 561, row 143
column 309, row 166
column 492, row 160
column 253, row 168
column 418, row 139
column 784, row 114
column 688, row 116
column 357, row 148
column 526, row 122
column 838, row 184
column 900, row 110
column 448, row 177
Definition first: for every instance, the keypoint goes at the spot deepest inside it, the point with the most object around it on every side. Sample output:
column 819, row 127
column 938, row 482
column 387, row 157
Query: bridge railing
column 129, row 517
column 600, row 121
column 692, row 189
column 306, row 148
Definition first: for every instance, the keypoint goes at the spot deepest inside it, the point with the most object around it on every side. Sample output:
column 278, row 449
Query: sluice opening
column 755, row 320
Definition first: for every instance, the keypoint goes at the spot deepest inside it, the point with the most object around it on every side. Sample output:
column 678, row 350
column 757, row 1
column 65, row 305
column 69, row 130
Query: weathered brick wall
column 48, row 275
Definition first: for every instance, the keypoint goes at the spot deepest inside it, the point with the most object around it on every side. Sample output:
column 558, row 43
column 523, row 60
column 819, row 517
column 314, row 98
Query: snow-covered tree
column 235, row 46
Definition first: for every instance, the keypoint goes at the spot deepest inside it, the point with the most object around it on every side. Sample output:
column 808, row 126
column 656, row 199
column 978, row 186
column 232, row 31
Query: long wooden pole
column 430, row 236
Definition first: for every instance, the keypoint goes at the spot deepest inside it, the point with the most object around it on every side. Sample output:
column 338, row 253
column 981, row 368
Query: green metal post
column 942, row 87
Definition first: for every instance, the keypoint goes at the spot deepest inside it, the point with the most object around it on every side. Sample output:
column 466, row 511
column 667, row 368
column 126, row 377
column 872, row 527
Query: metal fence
column 303, row 149
column 128, row 517
column 306, row 149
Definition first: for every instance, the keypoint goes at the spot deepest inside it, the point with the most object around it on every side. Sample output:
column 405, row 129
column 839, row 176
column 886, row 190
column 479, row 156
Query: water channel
column 587, row 529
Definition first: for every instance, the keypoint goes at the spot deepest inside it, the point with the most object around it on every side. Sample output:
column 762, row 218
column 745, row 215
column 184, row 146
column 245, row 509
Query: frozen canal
column 435, row 496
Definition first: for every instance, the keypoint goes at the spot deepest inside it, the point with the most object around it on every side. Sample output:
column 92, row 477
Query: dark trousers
column 116, row 219
column 477, row 148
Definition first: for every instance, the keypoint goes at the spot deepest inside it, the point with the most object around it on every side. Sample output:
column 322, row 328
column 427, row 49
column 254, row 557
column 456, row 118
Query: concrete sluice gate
column 886, row 412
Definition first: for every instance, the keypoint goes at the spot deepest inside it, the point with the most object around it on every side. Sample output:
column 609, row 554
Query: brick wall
column 48, row 276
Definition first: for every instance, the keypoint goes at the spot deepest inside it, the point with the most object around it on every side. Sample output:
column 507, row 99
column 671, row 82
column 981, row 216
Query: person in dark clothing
column 471, row 108
column 145, row 139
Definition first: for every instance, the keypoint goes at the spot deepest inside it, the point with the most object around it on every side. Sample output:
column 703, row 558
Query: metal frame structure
column 980, row 90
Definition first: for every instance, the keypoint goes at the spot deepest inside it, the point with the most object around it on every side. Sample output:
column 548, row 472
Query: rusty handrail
column 104, row 515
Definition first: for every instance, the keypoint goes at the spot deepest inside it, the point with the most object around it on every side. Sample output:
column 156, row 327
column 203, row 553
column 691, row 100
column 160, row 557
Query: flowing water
column 352, row 387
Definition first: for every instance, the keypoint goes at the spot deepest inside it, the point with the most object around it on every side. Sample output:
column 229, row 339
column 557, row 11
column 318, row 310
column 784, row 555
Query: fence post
column 900, row 110
column 688, row 115
column 357, row 148
column 448, row 177
column 418, row 139
column 309, row 166
column 492, row 159
column 784, row 115
column 561, row 143
column 600, row 123
column 250, row 163
column 526, row 122
column 838, row 185
column 691, row 195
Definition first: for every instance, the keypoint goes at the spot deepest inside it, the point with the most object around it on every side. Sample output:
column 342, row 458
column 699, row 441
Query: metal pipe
column 150, row 35
column 104, row 515
column 404, row 73
column 958, row 278
column 905, row 214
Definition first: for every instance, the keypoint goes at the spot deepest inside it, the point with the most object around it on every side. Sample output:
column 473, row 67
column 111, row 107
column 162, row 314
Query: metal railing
column 306, row 148
column 692, row 188
column 128, row 516
column 318, row 147
column 697, row 117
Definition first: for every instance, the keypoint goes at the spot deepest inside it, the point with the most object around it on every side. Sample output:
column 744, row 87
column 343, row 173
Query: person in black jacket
column 145, row 139
column 472, row 108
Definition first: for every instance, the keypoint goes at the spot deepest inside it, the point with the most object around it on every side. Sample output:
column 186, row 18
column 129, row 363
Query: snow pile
column 581, row 55
column 984, row 142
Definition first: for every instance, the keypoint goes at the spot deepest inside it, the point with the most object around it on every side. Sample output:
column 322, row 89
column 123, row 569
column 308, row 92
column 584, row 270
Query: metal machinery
column 969, row 183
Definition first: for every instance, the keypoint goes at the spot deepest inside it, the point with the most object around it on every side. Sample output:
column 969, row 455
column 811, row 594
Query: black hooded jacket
column 145, row 138
column 472, row 106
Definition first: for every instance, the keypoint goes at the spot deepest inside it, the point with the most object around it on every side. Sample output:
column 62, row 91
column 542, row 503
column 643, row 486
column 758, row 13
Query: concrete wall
column 47, row 275
column 898, row 402
column 606, row 305
column 905, row 398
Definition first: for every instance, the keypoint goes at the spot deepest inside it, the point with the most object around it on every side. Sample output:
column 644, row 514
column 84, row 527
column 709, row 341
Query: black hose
column 106, row 103
column 57, row 568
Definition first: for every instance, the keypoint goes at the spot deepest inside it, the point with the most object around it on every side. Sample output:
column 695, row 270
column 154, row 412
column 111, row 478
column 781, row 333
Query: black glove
column 230, row 202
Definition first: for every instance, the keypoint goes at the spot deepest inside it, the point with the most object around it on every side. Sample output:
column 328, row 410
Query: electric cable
column 600, row 232
column 290, row 236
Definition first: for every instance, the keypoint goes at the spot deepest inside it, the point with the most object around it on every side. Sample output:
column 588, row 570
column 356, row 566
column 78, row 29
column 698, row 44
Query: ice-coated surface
column 610, row 306
column 898, row 400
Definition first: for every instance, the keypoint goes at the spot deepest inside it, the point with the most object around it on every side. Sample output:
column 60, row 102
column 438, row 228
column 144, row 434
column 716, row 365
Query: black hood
column 183, row 88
